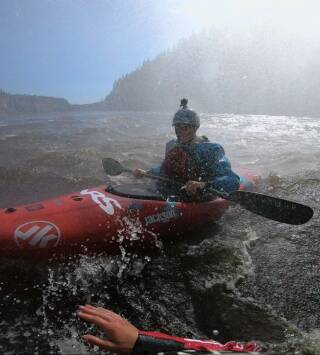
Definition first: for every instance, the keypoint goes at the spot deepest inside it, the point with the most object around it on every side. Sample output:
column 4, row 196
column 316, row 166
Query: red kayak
column 100, row 219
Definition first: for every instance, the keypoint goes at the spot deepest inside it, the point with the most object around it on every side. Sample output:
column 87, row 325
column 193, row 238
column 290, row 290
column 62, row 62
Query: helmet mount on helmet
column 183, row 103
column 186, row 116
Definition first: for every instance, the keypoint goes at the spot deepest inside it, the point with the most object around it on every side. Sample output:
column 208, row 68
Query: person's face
column 184, row 132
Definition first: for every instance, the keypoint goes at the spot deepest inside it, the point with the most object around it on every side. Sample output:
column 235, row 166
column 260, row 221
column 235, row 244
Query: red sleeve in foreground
column 164, row 342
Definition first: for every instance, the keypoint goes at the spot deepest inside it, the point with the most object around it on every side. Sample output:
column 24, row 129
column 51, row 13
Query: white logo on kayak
column 162, row 217
column 37, row 234
column 106, row 203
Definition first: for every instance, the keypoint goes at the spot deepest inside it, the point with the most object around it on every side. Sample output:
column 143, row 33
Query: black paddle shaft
column 274, row 208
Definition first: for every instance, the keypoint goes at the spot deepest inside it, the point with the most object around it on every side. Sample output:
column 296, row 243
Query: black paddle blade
column 272, row 207
column 112, row 167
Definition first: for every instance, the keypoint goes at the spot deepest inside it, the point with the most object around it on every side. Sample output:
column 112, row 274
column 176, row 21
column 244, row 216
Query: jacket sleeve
column 155, row 342
column 219, row 168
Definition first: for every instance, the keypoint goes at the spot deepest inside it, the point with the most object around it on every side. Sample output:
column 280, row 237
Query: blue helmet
column 186, row 116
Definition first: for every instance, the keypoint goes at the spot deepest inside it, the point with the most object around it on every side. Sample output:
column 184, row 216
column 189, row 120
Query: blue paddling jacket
column 198, row 160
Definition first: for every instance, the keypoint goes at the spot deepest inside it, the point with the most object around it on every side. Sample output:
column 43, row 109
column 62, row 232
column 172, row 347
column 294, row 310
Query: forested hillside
column 258, row 73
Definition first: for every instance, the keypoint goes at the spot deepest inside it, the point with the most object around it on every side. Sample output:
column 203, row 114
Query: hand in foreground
column 193, row 187
column 138, row 173
column 121, row 335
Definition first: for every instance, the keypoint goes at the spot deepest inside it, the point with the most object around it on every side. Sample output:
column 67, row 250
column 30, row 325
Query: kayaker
column 124, row 338
column 194, row 160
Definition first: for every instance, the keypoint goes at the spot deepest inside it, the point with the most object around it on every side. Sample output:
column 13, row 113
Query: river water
column 43, row 156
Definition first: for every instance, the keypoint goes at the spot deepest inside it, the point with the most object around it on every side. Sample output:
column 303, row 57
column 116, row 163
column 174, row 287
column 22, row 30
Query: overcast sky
column 76, row 49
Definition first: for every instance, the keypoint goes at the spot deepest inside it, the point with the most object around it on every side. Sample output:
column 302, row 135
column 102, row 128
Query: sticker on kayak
column 37, row 234
column 163, row 217
column 106, row 203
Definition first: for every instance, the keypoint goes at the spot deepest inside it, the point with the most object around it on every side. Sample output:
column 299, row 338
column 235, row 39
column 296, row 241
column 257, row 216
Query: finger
column 90, row 308
column 104, row 313
column 99, row 312
column 105, row 344
column 97, row 320
column 109, row 313
column 189, row 188
column 86, row 308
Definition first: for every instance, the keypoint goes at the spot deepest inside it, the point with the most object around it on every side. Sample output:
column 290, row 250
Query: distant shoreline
column 15, row 105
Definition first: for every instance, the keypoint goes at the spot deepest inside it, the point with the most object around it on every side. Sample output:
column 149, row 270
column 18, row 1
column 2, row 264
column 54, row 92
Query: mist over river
column 246, row 276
